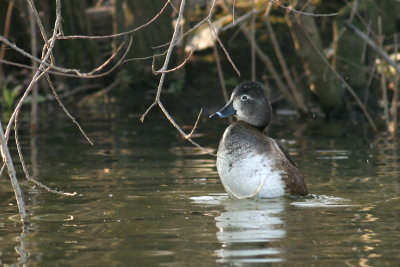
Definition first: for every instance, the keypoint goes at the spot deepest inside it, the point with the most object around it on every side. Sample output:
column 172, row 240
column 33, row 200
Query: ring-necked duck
column 249, row 163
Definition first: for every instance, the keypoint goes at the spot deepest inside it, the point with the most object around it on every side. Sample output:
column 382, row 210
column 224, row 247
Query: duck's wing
column 295, row 184
column 285, row 152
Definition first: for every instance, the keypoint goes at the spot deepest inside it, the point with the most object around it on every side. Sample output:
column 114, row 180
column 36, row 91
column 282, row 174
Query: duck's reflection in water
column 250, row 231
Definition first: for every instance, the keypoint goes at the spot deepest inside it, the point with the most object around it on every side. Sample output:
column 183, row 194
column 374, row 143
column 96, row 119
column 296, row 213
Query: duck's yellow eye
column 244, row 97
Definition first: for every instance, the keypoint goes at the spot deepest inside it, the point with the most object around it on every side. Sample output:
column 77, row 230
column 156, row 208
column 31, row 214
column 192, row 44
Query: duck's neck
column 260, row 128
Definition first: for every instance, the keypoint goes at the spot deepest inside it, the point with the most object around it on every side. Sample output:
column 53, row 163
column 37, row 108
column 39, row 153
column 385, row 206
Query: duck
column 249, row 163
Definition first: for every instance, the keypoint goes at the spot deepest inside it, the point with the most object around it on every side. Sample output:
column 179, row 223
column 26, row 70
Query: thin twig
column 350, row 19
column 176, row 68
column 395, row 99
column 383, row 77
column 271, row 69
column 299, row 101
column 220, row 73
column 39, row 73
column 105, row 63
column 148, row 110
column 302, row 12
column 189, row 136
column 13, row 177
column 41, row 27
column 372, row 44
column 186, row 136
column 35, row 78
column 72, row 118
column 6, row 31
column 104, row 91
column 233, row 11
column 369, row 82
column 168, row 56
column 253, row 42
column 22, row 161
column 157, row 100
column 223, row 47
column 178, row 40
column 34, row 105
column 76, row 90
column 66, row 37
column 364, row 53
column 67, row 72
column 144, row 58
column 221, row 77
column 241, row 19
column 268, row 63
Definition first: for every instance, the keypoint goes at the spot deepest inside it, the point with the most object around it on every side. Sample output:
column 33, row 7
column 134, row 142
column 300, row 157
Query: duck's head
column 248, row 103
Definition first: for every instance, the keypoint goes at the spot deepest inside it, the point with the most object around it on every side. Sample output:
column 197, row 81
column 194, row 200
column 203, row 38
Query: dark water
column 145, row 197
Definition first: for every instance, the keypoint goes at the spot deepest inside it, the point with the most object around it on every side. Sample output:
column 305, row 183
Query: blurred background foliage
column 314, row 50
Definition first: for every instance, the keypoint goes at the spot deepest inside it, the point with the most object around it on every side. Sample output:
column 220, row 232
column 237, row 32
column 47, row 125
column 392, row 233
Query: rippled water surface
column 145, row 197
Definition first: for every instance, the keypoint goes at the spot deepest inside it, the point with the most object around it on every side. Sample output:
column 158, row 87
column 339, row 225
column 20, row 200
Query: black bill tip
column 226, row 111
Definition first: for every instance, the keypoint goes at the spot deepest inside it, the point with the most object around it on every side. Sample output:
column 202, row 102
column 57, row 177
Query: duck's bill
column 226, row 111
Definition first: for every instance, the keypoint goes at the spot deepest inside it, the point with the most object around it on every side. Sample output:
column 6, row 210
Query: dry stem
column 395, row 99
column 383, row 76
column 13, row 177
column 6, row 31
column 66, row 37
column 163, row 71
column 292, row 86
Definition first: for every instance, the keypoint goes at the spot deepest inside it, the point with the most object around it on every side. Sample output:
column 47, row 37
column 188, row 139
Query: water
column 145, row 197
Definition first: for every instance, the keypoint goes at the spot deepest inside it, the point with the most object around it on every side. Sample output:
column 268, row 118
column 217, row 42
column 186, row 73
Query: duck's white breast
column 251, row 176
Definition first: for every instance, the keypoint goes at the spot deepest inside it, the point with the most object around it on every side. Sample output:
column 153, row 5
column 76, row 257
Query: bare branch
column 144, row 58
column 6, row 30
column 223, row 47
column 253, row 43
column 13, row 177
column 163, row 72
column 38, row 76
column 28, row 176
column 241, row 19
column 220, row 73
column 65, row 109
column 117, row 34
column 67, row 72
column 57, row 27
column 372, row 44
column 296, row 95
column 233, row 11
column 206, row 19
column 174, row 69
column 395, row 99
column 187, row 137
column 383, row 77
column 195, row 125
column 148, row 110
column 290, row 9
column 268, row 63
